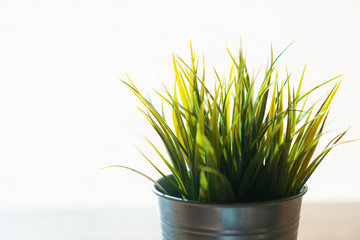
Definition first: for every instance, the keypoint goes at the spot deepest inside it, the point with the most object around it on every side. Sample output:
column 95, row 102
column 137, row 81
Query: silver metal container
column 188, row 220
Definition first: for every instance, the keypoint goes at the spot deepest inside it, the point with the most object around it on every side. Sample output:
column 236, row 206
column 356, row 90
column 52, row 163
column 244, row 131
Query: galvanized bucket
column 188, row 220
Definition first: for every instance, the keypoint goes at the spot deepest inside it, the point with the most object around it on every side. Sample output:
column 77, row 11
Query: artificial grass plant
column 236, row 142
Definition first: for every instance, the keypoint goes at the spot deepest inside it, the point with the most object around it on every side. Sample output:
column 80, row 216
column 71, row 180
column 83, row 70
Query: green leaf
column 239, row 142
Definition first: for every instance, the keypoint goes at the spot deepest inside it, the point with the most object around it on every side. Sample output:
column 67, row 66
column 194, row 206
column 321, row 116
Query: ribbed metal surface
column 186, row 220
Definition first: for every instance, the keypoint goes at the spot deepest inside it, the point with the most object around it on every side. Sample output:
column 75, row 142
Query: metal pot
column 188, row 220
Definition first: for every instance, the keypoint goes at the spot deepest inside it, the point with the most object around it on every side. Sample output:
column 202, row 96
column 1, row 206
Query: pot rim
column 240, row 204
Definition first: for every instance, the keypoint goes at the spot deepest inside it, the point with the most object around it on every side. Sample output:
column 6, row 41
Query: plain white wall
column 64, row 112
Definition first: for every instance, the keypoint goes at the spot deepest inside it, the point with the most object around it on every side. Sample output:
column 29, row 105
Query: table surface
column 318, row 222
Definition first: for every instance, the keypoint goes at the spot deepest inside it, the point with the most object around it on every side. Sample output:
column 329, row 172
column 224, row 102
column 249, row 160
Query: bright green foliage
column 239, row 144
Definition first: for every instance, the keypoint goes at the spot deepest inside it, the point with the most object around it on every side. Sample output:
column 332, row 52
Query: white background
column 64, row 113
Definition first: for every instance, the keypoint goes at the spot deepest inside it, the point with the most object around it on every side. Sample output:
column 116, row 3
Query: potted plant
column 239, row 155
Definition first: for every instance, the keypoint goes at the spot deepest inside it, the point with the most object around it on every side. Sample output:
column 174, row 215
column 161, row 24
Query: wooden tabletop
column 330, row 222
column 318, row 222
